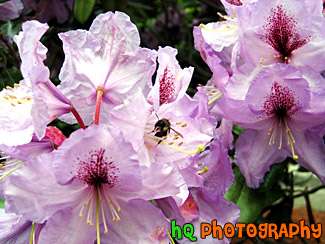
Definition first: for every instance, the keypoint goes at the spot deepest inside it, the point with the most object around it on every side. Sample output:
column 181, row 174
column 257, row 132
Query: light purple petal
column 254, row 155
column 66, row 227
column 131, row 123
column 220, row 176
column 162, row 181
column 310, row 148
column 14, row 228
column 32, row 191
column 141, row 222
column 31, row 50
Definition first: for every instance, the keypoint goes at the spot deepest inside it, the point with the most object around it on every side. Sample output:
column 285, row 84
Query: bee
column 162, row 129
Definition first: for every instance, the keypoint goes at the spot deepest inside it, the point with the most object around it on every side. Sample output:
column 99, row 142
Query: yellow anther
column 12, row 96
column 5, row 97
column 12, row 104
column 9, row 88
column 184, row 125
column 170, row 143
column 178, row 123
column 16, row 85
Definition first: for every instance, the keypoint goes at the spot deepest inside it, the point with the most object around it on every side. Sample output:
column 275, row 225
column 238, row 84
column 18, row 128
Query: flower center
column 98, row 169
column 282, row 33
column 280, row 102
column 167, row 86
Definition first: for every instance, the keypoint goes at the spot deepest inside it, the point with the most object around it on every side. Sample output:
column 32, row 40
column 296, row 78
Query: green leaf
column 250, row 201
column 82, row 9
column 2, row 203
column 277, row 171
column 11, row 28
column 237, row 129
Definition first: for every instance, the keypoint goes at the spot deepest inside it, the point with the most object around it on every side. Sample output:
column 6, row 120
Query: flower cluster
column 144, row 154
column 267, row 59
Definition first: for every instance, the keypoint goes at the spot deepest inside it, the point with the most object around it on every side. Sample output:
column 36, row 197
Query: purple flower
column 279, row 108
column 288, row 31
column 93, row 178
column 106, row 58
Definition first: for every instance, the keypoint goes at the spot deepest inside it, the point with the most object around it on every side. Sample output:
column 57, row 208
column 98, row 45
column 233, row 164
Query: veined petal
column 141, row 222
column 311, row 150
column 254, row 155
column 34, row 187
column 107, row 56
column 31, row 50
column 66, row 227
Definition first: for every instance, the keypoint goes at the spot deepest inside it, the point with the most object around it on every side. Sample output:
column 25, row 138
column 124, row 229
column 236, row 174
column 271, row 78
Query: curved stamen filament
column 86, row 202
column 32, row 236
column 103, row 214
column 280, row 146
column 171, row 238
column 10, row 164
column 97, row 217
column 3, row 175
column 200, row 148
column 215, row 98
column 111, row 201
column 291, row 141
column 229, row 28
column 273, row 132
